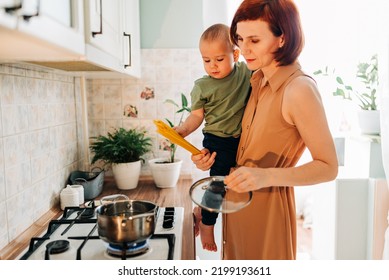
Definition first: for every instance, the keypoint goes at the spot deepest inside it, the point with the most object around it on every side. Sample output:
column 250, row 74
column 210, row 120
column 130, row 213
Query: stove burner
column 88, row 213
column 57, row 246
column 128, row 250
column 53, row 247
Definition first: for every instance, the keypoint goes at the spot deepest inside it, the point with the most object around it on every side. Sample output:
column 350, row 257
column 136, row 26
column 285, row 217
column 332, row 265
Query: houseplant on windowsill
column 364, row 93
column 122, row 149
column 166, row 171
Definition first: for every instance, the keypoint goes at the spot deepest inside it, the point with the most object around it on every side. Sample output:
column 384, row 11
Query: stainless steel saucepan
column 126, row 221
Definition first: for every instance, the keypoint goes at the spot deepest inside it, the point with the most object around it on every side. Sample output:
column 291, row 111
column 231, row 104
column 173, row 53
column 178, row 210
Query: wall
column 170, row 23
column 166, row 73
column 40, row 143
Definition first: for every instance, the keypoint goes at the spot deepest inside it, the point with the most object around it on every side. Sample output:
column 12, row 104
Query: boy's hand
column 205, row 160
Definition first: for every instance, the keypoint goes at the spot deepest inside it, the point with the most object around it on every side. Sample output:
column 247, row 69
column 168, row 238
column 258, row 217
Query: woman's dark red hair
column 283, row 19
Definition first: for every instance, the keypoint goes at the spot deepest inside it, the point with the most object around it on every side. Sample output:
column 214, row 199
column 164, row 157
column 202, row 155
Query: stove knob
column 168, row 223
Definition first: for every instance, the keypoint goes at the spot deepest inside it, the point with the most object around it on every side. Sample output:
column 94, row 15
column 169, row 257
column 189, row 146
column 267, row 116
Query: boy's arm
column 192, row 122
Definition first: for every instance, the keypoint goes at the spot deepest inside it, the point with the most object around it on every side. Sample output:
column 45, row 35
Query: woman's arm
column 303, row 108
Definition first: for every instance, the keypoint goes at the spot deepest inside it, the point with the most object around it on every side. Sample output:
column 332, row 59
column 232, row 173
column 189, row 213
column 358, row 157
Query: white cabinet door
column 113, row 36
column 94, row 36
column 131, row 44
column 44, row 30
column 58, row 23
column 8, row 8
column 104, row 29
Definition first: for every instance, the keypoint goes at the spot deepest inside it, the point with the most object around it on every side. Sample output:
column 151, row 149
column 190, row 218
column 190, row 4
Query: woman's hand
column 205, row 160
column 244, row 179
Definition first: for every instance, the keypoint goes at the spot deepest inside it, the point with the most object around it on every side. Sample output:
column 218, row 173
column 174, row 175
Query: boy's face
column 218, row 58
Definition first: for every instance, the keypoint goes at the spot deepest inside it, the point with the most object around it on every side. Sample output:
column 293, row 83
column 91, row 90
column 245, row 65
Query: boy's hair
column 219, row 32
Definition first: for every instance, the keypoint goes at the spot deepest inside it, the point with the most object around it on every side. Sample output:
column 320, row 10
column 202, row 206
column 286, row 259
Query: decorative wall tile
column 147, row 93
column 130, row 111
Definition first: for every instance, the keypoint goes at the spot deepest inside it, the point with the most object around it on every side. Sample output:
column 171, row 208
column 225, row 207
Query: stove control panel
column 168, row 218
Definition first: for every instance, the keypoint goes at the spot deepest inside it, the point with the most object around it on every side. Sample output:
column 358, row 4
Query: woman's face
column 257, row 43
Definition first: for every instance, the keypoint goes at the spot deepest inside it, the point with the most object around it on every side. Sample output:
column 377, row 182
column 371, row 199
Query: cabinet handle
column 129, row 50
column 101, row 21
column 11, row 10
column 27, row 17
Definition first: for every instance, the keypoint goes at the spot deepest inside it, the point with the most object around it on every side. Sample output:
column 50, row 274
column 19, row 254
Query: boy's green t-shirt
column 223, row 100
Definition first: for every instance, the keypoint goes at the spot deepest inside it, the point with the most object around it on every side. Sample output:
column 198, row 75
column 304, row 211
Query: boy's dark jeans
column 225, row 148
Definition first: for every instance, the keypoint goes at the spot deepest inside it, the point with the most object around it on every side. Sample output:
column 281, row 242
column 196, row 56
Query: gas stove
column 74, row 236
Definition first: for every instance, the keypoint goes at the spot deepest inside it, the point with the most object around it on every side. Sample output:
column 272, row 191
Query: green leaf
column 318, row 72
column 184, row 101
column 171, row 102
column 170, row 123
column 339, row 80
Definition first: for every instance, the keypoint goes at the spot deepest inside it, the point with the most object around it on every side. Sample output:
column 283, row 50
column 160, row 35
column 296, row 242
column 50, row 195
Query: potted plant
column 166, row 171
column 364, row 93
column 122, row 149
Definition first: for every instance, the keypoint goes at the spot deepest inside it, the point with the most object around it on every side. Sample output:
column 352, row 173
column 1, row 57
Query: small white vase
column 165, row 174
column 126, row 174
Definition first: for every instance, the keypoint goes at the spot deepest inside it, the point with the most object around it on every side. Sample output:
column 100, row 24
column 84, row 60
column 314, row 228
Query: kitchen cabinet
column 349, row 213
column 41, row 30
column 350, row 219
column 92, row 37
column 7, row 19
column 103, row 32
column 112, row 35
column 131, row 45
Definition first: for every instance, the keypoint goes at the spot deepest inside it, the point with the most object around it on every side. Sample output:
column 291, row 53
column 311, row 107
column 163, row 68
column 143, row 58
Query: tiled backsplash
column 39, row 143
column 41, row 137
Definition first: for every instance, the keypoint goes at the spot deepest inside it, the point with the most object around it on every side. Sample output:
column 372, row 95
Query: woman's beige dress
column 266, row 228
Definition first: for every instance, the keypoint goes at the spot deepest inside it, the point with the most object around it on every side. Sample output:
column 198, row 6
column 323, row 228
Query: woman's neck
column 268, row 71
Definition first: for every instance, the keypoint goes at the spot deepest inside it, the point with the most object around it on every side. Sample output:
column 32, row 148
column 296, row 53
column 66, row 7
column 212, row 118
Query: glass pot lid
column 213, row 195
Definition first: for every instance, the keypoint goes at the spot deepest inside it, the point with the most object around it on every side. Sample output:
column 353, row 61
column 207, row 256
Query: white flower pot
column 165, row 175
column 369, row 121
column 126, row 174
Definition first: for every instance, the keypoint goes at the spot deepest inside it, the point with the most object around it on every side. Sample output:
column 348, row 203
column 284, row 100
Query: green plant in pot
column 166, row 171
column 364, row 93
column 123, row 150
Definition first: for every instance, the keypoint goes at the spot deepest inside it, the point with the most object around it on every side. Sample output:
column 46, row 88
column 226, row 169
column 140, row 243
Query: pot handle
column 113, row 197
column 149, row 217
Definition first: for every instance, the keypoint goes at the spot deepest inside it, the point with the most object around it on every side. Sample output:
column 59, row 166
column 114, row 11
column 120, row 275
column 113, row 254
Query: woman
column 284, row 115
